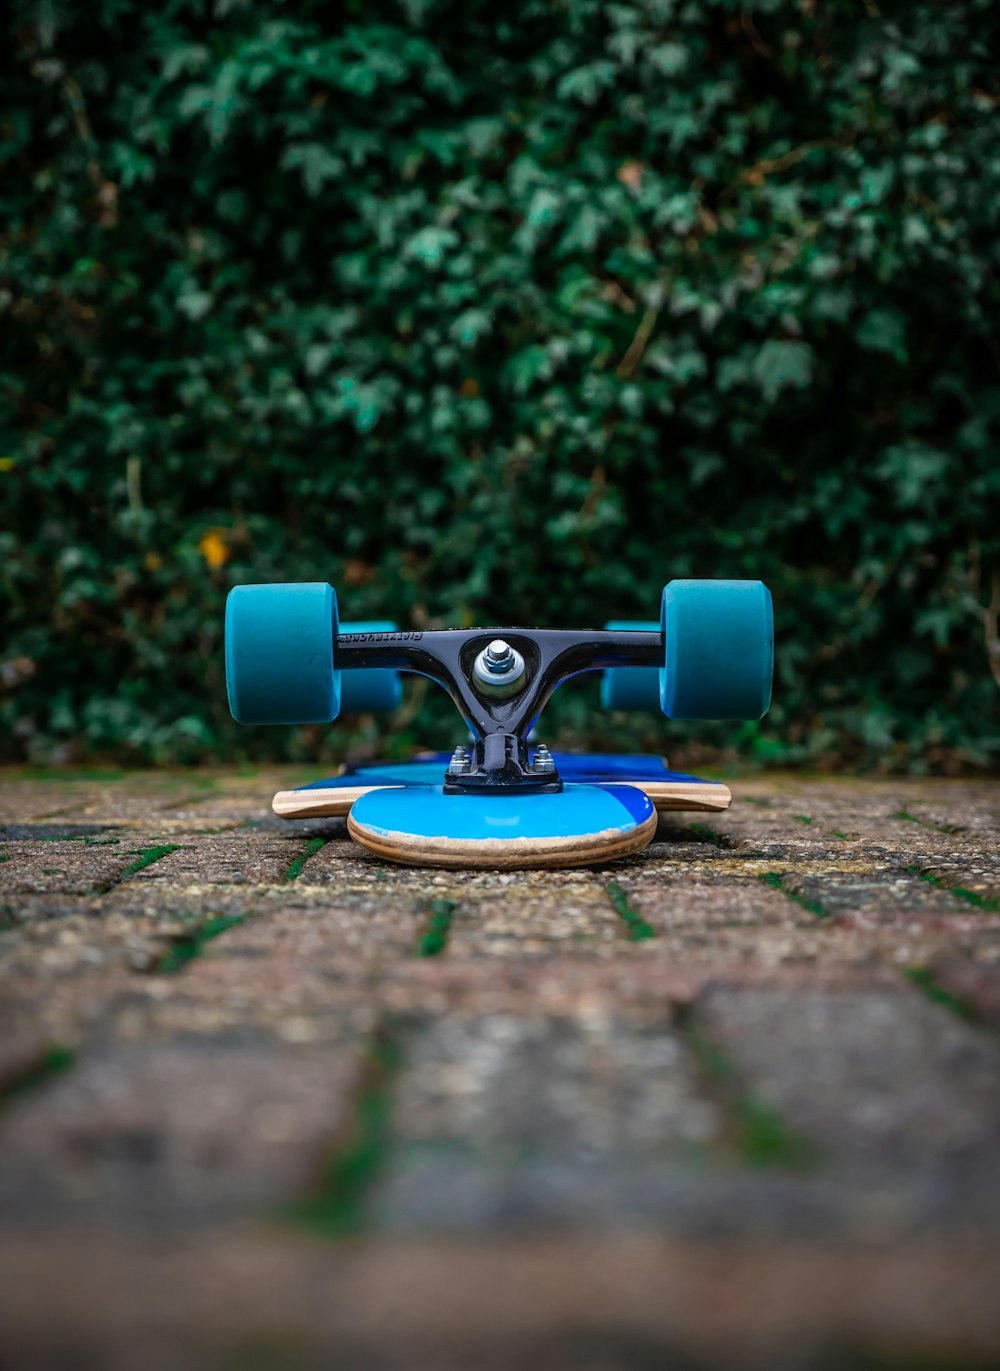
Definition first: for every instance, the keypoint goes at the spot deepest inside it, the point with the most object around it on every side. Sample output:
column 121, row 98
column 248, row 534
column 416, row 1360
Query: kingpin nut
column 498, row 670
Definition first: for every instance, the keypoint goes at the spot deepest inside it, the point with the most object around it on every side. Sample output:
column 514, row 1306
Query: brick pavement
column 268, row 1102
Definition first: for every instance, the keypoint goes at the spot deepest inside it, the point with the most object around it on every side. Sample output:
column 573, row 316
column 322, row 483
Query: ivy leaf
column 587, row 83
column 913, row 470
column 431, row 245
column 583, row 232
column 782, row 366
column 669, row 59
column 527, row 367
column 316, row 163
column 194, row 304
column 883, row 330
column 471, row 325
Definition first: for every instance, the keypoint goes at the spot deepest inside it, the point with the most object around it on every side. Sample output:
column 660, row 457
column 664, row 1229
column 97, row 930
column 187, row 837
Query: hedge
column 500, row 313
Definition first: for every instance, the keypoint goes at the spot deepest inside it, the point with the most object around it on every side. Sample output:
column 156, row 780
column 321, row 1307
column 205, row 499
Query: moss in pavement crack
column 776, row 881
column 434, row 938
column 336, row 1206
column 636, row 927
column 146, row 856
column 295, row 867
column 762, row 1135
column 963, row 892
column 924, row 979
column 704, row 834
column 53, row 1061
column 186, row 946
column 924, row 823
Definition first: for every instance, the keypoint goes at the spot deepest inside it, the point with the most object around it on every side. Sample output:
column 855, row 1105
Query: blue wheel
column 719, row 649
column 631, row 687
column 279, row 654
column 370, row 692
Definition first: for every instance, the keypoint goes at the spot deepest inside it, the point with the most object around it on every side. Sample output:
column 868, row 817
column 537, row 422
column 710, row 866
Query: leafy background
column 500, row 313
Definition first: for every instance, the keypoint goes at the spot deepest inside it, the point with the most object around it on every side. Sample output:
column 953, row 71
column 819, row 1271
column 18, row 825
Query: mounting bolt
column 544, row 761
column 460, row 762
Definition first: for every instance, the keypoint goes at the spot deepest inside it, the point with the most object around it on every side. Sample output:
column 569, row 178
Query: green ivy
column 500, row 313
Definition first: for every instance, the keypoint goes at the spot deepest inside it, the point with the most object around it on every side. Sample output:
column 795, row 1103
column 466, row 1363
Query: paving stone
column 972, row 983
column 76, row 944
column 580, row 920
column 64, row 1010
column 72, row 797
column 320, row 926
column 701, row 899
column 67, row 866
column 877, row 838
column 133, row 925
column 131, row 797
column 24, row 801
column 670, row 847
column 886, row 1085
column 665, row 858
column 275, row 999
column 642, row 977
column 41, row 831
column 341, row 863
column 20, row 1053
column 978, row 874
column 151, row 900
column 514, row 1119
column 630, row 1301
column 733, row 951
column 17, row 910
column 874, row 821
column 879, row 894
column 77, row 991
column 279, row 999
column 179, row 1135
column 972, row 811
column 911, row 942
column 772, row 833
column 234, row 858
column 215, row 806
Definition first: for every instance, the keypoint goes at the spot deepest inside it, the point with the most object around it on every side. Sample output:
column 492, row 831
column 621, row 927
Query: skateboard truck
column 500, row 680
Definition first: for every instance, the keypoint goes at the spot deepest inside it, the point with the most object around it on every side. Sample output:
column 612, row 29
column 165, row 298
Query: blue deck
column 576, row 811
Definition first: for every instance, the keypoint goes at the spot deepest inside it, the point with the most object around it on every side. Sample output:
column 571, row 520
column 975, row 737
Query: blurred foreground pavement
column 266, row 1102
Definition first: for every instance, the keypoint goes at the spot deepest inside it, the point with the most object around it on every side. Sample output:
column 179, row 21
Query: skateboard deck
column 607, row 809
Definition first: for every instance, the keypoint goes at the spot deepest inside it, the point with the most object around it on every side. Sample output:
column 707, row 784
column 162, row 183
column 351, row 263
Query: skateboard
column 500, row 799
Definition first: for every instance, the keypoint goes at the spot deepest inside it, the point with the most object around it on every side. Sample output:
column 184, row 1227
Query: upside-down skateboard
column 499, row 800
